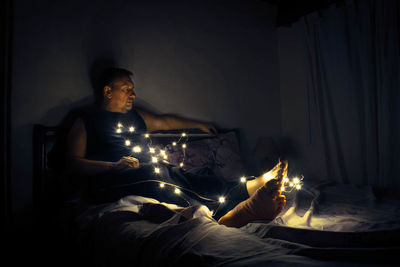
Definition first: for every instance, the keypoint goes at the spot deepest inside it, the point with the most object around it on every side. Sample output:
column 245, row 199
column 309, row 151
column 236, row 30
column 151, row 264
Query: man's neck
column 110, row 108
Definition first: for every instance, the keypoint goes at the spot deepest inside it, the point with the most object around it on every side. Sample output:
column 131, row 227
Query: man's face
column 122, row 94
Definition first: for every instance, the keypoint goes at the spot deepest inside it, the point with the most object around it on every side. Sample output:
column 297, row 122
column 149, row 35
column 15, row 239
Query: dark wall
column 210, row 60
column 5, row 110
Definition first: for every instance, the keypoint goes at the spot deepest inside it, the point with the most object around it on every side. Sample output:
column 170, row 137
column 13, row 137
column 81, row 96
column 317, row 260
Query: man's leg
column 264, row 204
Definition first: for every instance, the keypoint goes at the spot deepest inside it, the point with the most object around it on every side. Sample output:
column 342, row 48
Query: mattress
column 324, row 224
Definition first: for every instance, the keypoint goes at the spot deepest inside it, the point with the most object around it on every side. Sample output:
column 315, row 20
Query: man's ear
column 107, row 92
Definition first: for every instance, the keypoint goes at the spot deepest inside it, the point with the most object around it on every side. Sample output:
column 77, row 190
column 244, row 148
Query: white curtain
column 353, row 96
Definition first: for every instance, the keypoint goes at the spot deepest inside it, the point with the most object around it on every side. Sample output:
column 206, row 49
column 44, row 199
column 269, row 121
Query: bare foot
column 280, row 170
column 265, row 204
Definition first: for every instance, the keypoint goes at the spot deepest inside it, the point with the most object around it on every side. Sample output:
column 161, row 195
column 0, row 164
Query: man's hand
column 126, row 162
column 208, row 128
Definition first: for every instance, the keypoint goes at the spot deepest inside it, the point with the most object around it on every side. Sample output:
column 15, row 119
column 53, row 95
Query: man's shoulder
column 90, row 113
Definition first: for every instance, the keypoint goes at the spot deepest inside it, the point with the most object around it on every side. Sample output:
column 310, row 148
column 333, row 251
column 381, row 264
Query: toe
column 281, row 200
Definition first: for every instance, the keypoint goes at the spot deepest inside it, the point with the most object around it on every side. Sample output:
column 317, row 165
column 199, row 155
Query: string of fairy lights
column 159, row 155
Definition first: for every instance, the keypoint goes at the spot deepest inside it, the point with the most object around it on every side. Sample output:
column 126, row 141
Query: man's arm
column 168, row 122
column 76, row 150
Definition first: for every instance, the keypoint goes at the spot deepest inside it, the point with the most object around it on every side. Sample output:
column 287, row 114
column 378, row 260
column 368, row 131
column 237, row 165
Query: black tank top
column 107, row 134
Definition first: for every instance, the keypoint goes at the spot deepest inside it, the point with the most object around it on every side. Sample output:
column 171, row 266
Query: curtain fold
column 352, row 59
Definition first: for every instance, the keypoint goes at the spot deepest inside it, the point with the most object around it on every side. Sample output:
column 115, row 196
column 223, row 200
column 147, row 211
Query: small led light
column 146, row 135
column 285, row 180
column 154, row 159
column 119, row 125
column 152, row 150
column 157, row 170
column 296, row 180
column 165, row 157
column 162, row 152
column 174, row 143
column 137, row 149
column 131, row 129
column 181, row 164
column 177, row 191
column 183, row 145
column 243, row 179
column 183, row 134
column 291, row 184
column 119, row 130
column 221, row 199
column 298, row 187
column 162, row 185
column 282, row 188
column 268, row 176
column 127, row 142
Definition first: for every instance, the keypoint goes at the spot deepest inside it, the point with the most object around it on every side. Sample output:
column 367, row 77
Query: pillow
column 221, row 154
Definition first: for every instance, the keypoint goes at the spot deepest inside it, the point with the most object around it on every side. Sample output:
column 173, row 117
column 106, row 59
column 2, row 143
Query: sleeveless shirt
column 107, row 134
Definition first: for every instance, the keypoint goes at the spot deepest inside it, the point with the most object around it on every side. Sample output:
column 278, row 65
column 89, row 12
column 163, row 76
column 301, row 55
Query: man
column 93, row 151
column 118, row 93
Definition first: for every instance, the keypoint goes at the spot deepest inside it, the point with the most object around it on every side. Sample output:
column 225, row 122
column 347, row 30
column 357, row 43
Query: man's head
column 118, row 90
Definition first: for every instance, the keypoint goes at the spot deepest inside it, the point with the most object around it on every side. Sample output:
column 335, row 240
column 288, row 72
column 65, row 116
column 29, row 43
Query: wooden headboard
column 45, row 179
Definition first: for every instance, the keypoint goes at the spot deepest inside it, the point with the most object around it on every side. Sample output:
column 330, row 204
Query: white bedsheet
column 119, row 236
column 337, row 207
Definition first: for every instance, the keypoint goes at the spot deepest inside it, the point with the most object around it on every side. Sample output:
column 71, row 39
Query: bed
column 324, row 224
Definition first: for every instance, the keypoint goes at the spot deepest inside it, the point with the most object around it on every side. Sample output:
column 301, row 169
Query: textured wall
column 210, row 60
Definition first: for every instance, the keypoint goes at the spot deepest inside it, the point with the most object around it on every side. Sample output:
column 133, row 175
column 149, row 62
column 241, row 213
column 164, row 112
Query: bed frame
column 46, row 188
column 46, row 183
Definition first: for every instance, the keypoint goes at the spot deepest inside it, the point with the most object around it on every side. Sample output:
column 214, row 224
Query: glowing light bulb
column 296, row 180
column 119, row 125
column 183, row 146
column 137, row 149
column 162, row 152
column 221, row 199
column 174, row 143
column 146, row 135
column 267, row 176
column 119, row 130
column 177, row 191
column 154, row 159
column 282, row 188
column 183, row 134
column 162, row 185
column 243, row 179
column 131, row 129
column 157, row 170
column 291, row 184
column 127, row 142
column 298, row 187
column 181, row 164
column 165, row 157
column 285, row 180
column 152, row 150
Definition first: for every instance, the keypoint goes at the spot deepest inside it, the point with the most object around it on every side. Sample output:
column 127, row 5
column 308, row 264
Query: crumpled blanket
column 330, row 206
column 145, row 232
